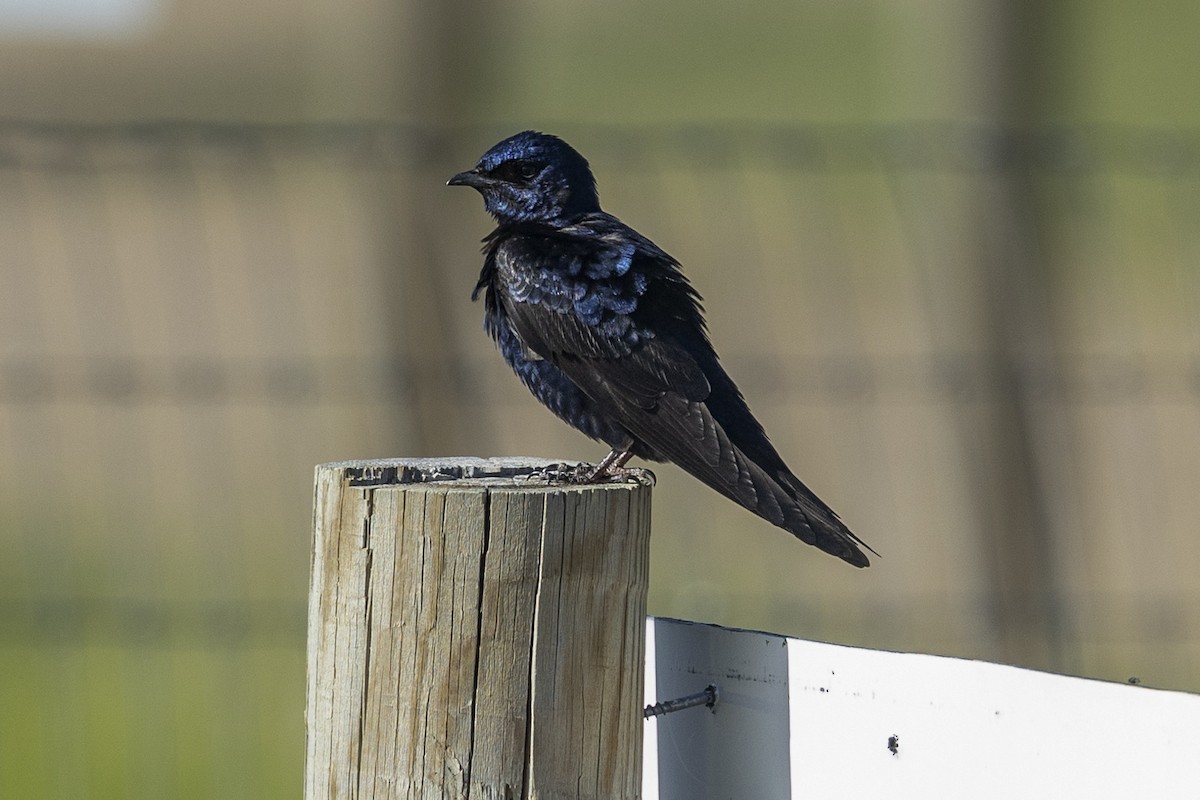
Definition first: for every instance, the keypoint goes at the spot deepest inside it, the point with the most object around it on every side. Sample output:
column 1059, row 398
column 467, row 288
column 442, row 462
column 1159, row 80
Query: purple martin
column 604, row 328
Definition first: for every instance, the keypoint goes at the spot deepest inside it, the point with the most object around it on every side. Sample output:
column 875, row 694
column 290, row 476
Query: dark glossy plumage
column 606, row 331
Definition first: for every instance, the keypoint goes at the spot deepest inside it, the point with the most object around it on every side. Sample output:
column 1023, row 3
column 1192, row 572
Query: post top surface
column 510, row 471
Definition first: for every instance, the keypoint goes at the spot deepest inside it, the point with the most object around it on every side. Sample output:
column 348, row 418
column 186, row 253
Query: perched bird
column 605, row 330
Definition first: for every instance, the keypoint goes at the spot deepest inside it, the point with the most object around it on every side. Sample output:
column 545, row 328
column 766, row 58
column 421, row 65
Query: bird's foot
column 609, row 467
column 586, row 474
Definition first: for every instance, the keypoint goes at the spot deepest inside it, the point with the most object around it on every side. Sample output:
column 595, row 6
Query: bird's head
column 532, row 177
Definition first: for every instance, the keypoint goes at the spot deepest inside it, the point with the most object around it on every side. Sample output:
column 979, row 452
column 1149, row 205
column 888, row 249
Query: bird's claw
column 584, row 473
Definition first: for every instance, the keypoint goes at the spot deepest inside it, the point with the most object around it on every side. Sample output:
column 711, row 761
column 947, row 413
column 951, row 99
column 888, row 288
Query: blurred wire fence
column 981, row 346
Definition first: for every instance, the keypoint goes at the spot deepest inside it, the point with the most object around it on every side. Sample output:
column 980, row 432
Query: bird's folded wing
column 656, row 390
column 637, row 367
column 661, row 383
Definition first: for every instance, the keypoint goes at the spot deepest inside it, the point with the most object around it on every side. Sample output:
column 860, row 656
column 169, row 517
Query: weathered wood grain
column 476, row 628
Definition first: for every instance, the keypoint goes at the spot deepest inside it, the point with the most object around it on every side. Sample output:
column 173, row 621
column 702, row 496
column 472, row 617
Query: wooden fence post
column 475, row 628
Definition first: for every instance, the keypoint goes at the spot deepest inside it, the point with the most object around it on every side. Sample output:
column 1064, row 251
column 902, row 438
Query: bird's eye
column 518, row 170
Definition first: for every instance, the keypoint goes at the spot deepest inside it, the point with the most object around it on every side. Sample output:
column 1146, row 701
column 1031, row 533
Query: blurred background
column 949, row 249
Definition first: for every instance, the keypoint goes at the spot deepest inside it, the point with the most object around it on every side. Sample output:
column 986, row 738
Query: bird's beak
column 469, row 178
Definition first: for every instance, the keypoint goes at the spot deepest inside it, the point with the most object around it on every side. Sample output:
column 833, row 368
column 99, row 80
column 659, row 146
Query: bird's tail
column 808, row 516
column 773, row 493
column 689, row 435
column 781, row 499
